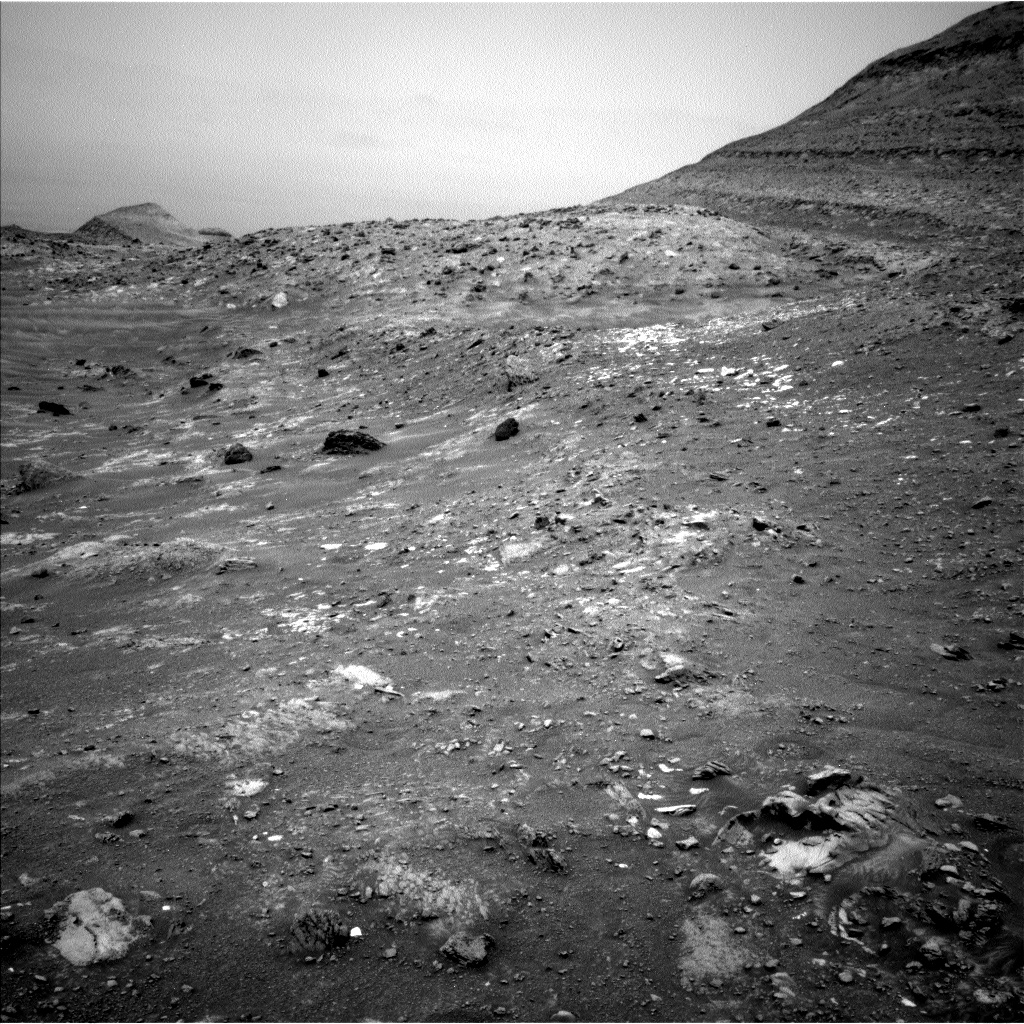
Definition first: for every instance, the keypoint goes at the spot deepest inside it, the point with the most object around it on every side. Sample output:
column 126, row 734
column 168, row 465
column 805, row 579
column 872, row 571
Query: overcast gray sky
column 246, row 116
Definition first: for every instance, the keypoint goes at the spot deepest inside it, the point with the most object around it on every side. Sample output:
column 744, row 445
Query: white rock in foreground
column 94, row 926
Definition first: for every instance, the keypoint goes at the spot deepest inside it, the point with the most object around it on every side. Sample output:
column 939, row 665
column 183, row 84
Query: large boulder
column 92, row 925
column 236, row 454
column 34, row 476
column 519, row 371
column 54, row 408
column 350, row 442
column 506, row 428
column 316, row 930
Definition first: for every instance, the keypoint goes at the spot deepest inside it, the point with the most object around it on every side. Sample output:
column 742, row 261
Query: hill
column 146, row 222
column 903, row 140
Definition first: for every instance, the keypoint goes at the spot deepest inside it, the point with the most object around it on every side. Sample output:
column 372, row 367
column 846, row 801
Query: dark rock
column 237, row 453
column 34, row 476
column 710, row 769
column 506, row 429
column 1013, row 642
column 216, row 385
column 55, row 408
column 245, row 353
column 971, row 407
column 321, row 372
column 350, row 442
column 639, row 418
column 470, row 951
column 317, row 930
column 982, row 503
column 992, row 823
column 760, row 524
column 773, row 421
column 198, row 382
column 1001, row 432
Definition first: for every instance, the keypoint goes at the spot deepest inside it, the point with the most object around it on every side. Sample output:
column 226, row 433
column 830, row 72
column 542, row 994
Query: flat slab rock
column 350, row 442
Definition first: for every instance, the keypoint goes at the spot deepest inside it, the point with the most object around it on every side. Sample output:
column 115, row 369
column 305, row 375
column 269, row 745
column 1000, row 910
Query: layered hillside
column 913, row 134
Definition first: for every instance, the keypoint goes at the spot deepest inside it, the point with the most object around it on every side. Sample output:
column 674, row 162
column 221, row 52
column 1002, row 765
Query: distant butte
column 146, row 222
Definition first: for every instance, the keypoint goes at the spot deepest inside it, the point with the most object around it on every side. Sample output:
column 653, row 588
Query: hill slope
column 910, row 134
column 146, row 222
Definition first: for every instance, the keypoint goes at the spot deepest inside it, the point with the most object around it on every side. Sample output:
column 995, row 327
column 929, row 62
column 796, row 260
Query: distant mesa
column 148, row 223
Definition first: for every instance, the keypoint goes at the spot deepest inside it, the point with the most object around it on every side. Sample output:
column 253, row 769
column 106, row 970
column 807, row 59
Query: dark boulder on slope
column 350, row 442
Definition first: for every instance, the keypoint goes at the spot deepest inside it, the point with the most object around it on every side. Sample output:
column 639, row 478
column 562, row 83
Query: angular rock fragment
column 468, row 950
column 786, row 804
column 34, row 476
column 710, row 769
column 316, row 930
column 235, row 565
column 539, row 850
column 237, row 454
column 951, row 652
column 826, row 778
column 350, row 442
column 519, row 371
column 681, row 672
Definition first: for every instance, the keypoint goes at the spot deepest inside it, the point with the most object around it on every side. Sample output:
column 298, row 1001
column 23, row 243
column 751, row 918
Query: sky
column 245, row 116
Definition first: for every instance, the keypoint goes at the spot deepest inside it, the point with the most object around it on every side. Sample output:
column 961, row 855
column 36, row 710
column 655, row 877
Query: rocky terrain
column 696, row 696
